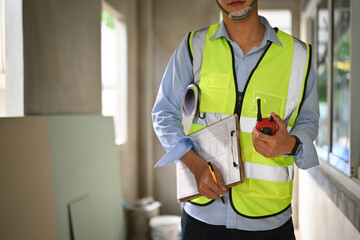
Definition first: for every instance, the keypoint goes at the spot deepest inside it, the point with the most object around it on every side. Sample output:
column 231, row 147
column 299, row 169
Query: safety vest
column 278, row 79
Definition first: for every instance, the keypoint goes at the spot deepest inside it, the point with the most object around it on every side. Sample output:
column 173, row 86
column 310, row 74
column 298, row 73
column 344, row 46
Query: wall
column 59, row 164
column 128, row 153
column 62, row 67
column 319, row 217
column 27, row 202
column 62, row 64
column 173, row 20
column 145, row 94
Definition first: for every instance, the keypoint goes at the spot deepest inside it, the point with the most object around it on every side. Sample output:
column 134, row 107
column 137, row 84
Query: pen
column 215, row 180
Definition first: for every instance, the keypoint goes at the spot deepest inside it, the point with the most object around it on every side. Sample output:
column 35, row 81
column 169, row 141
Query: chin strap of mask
column 238, row 15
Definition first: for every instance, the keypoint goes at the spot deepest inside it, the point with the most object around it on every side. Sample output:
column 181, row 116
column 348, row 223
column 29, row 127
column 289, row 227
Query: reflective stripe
column 298, row 69
column 268, row 173
column 197, row 44
column 247, row 124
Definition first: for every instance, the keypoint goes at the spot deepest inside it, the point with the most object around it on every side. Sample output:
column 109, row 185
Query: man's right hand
column 205, row 183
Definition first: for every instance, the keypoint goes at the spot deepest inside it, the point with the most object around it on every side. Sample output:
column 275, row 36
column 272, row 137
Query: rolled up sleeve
column 166, row 113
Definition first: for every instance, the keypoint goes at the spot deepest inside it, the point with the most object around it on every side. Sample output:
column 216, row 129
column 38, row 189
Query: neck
column 247, row 32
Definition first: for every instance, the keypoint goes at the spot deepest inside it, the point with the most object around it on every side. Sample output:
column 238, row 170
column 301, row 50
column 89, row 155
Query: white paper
column 220, row 148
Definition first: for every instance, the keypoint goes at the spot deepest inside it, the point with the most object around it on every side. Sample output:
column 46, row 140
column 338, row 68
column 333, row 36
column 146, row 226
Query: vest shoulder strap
column 196, row 43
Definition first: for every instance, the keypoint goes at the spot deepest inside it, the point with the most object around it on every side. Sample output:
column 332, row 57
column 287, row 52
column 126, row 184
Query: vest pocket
column 269, row 103
column 216, row 93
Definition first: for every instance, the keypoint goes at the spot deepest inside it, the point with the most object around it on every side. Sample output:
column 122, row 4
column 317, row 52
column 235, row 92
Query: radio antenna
column 259, row 117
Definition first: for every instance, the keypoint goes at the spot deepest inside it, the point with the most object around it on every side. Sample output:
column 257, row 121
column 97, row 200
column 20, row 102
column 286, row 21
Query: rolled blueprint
column 190, row 100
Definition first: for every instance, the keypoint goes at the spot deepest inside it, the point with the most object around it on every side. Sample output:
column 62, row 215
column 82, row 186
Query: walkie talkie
column 266, row 125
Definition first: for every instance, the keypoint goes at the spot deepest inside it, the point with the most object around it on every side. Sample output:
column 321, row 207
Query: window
column 322, row 49
column 340, row 149
column 278, row 18
column 114, row 71
column 333, row 70
column 2, row 62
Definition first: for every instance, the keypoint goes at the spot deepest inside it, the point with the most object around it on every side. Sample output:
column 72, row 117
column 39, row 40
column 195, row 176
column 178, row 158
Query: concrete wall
column 62, row 62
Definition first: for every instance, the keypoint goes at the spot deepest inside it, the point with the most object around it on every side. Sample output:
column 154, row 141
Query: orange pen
column 214, row 177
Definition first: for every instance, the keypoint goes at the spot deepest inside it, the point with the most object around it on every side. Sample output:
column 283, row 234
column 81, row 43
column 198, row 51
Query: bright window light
column 114, row 73
column 278, row 18
column 2, row 62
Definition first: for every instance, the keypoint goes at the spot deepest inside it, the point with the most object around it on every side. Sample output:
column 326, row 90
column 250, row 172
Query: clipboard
column 220, row 144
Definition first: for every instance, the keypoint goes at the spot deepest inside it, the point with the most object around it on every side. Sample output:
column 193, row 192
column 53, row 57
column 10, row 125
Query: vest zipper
column 238, row 106
column 240, row 95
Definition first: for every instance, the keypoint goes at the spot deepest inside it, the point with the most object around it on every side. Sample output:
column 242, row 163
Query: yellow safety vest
column 278, row 79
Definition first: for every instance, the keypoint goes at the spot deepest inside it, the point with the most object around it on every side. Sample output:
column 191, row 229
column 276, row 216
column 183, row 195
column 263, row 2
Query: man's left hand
column 281, row 143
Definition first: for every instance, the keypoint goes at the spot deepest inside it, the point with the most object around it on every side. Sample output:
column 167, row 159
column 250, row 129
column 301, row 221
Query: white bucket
column 165, row 227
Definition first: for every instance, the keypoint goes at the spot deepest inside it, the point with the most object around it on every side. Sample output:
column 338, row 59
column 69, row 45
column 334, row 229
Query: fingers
column 210, row 189
column 260, row 141
column 260, row 136
column 219, row 179
column 273, row 145
column 207, row 186
column 278, row 120
column 204, row 180
column 210, row 194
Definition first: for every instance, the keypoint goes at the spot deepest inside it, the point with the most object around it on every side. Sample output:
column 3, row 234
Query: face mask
column 238, row 15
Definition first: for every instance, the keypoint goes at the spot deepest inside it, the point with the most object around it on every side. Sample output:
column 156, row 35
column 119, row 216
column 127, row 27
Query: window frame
column 324, row 153
column 350, row 168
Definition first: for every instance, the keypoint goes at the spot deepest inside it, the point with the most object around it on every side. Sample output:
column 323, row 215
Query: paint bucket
column 165, row 227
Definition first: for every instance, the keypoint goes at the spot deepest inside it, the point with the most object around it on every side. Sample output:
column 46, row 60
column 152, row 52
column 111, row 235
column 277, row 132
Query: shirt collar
column 270, row 33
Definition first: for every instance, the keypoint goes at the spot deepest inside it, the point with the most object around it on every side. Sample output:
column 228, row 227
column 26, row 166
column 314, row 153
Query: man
column 234, row 63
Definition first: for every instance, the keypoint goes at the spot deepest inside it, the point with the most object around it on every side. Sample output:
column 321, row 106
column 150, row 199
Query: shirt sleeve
column 166, row 113
column 307, row 124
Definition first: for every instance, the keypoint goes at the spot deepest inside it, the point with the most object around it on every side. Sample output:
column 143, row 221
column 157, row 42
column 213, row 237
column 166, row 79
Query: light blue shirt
column 167, row 124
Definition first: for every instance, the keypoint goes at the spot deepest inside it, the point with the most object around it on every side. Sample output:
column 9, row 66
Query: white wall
column 319, row 217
